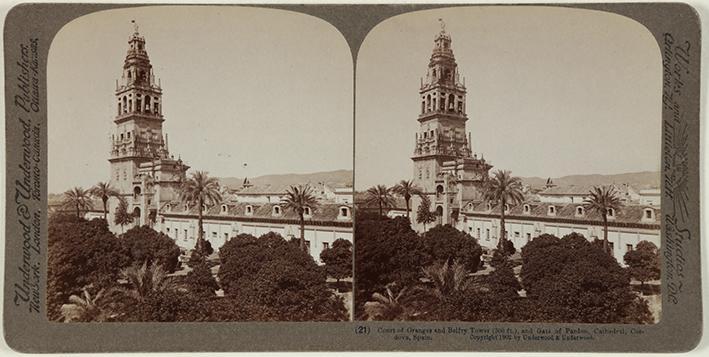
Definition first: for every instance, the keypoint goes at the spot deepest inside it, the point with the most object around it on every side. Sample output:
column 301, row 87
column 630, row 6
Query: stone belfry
column 444, row 164
column 141, row 166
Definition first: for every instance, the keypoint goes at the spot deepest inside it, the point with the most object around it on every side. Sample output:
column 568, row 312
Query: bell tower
column 138, row 133
column 142, row 169
column 444, row 164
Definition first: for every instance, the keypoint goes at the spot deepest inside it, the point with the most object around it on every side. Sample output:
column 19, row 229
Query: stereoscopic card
column 352, row 177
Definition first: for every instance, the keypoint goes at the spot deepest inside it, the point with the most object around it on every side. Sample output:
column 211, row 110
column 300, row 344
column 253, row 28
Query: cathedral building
column 148, row 178
column 453, row 177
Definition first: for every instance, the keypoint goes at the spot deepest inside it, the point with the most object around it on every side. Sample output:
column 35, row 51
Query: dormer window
column 224, row 209
column 526, row 209
column 551, row 211
column 507, row 208
column 307, row 211
column 610, row 213
column 344, row 212
column 276, row 210
column 649, row 214
column 249, row 210
column 488, row 206
column 579, row 211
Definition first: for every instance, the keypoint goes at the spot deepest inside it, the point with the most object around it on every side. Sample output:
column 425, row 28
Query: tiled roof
column 263, row 189
column 567, row 190
column 627, row 214
column 324, row 212
column 578, row 190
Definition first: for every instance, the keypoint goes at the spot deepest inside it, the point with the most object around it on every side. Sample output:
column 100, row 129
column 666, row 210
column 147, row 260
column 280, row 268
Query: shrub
column 145, row 244
column 578, row 282
column 446, row 242
column 172, row 306
column 276, row 280
column 643, row 262
column 338, row 259
column 200, row 281
column 509, row 247
column 81, row 253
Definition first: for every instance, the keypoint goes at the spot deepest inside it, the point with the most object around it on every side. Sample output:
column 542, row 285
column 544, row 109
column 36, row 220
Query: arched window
column 610, row 213
column 507, row 208
column 439, row 190
column 344, row 212
column 136, row 191
column 249, row 210
column 138, row 103
column 551, row 211
column 307, row 211
column 276, row 210
column 451, row 102
column 136, row 212
column 125, row 104
column 527, row 209
column 434, row 103
column 443, row 101
column 488, row 206
column 147, row 104
column 439, row 211
column 225, row 209
column 579, row 211
column 434, row 73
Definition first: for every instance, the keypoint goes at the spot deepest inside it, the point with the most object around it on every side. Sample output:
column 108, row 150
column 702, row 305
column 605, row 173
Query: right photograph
column 507, row 167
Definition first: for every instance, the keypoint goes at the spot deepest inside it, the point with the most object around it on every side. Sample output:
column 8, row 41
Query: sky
column 269, row 88
column 550, row 91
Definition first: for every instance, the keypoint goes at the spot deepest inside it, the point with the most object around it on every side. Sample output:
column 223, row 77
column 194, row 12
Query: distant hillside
column 641, row 180
column 338, row 176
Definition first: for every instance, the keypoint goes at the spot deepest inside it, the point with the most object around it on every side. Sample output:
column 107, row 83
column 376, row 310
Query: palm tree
column 78, row 199
column 104, row 191
column 424, row 214
column 84, row 308
column 379, row 195
column 387, row 306
column 122, row 217
column 447, row 278
column 144, row 280
column 601, row 200
column 407, row 189
column 503, row 189
column 200, row 190
column 297, row 199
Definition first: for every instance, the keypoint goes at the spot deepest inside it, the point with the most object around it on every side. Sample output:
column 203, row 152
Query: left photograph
column 200, row 167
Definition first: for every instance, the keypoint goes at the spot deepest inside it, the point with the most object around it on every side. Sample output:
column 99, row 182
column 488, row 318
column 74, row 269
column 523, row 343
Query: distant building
column 338, row 192
column 650, row 196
